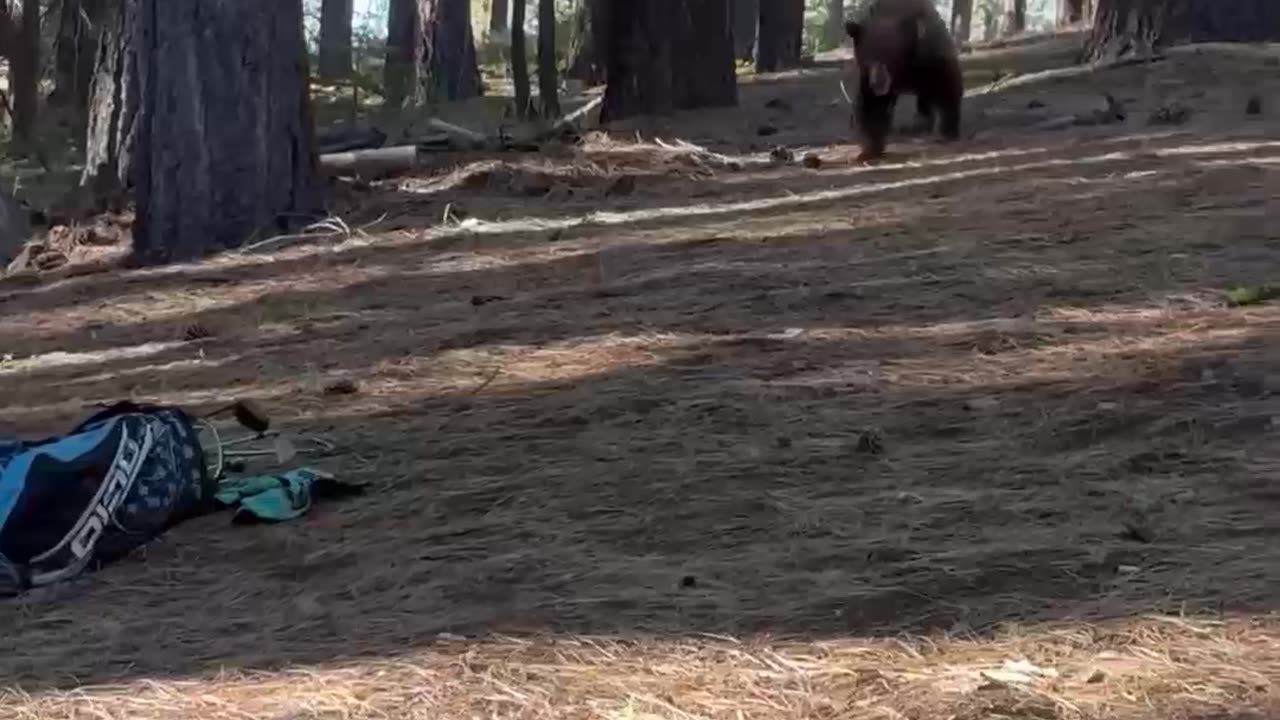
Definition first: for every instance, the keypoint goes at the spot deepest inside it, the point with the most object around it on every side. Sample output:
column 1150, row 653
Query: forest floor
column 973, row 433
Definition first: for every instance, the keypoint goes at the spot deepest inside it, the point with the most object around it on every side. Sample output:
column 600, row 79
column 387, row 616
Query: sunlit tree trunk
column 113, row 109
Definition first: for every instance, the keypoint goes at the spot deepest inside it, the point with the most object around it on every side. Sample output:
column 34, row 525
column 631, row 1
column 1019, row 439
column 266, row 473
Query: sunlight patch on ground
column 1142, row 667
column 12, row 365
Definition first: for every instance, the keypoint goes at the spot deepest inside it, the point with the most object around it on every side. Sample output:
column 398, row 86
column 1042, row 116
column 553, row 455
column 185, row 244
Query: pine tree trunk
column 225, row 150
column 399, row 73
column 113, row 110
column 334, row 62
column 499, row 13
column 1019, row 14
column 639, row 64
column 1137, row 27
column 447, row 51
column 77, row 45
column 962, row 20
column 833, row 33
column 703, row 50
column 519, row 60
column 24, row 72
column 591, row 22
column 746, row 16
column 779, row 35
column 547, row 80
column 1070, row 12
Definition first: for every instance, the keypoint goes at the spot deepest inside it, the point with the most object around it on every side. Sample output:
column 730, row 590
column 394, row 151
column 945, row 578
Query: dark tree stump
column 225, row 148
column 746, row 16
column 334, row 60
column 779, row 36
column 1135, row 27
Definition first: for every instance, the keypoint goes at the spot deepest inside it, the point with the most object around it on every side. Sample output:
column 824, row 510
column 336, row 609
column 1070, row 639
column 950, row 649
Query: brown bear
column 904, row 46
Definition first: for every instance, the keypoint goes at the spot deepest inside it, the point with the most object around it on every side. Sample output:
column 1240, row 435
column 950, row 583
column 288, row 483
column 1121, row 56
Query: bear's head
column 884, row 48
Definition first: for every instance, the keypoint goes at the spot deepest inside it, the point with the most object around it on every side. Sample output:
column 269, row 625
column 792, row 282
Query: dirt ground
column 653, row 433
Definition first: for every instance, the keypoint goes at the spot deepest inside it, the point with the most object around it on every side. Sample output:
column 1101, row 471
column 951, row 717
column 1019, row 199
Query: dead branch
column 1059, row 73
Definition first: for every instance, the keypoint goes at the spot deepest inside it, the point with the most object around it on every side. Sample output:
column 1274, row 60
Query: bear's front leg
column 875, row 116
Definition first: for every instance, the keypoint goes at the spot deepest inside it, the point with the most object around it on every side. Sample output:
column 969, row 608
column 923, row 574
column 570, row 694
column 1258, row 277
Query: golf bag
column 76, row 502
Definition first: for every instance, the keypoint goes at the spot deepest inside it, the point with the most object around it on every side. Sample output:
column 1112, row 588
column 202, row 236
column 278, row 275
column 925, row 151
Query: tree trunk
column 24, row 71
column 1016, row 17
column 1137, row 27
column 225, row 149
column 447, row 51
column 334, row 61
column 499, row 13
column 962, row 20
column 547, row 79
column 779, row 36
column 703, row 51
column 1070, row 12
column 833, row 33
column 591, row 23
column 77, row 45
column 113, row 110
column 746, row 17
column 399, row 74
column 639, row 64
column 519, row 60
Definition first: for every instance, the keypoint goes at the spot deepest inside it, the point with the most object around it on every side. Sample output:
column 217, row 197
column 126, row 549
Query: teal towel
column 277, row 498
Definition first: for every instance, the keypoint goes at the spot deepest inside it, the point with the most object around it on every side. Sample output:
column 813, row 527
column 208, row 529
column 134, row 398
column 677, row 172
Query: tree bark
column 1016, row 17
column 519, row 60
column 703, row 52
column 1070, row 12
column 225, row 149
column 591, row 23
column 447, row 54
column 833, row 33
column 746, row 17
column 1137, row 27
column 962, row 20
column 639, row 64
column 77, row 44
column 779, row 35
column 24, row 71
column 334, row 62
column 669, row 54
column 547, row 79
column 399, row 74
column 499, row 13
column 113, row 109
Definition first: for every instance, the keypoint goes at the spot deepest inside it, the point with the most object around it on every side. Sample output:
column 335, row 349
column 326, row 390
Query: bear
column 904, row 46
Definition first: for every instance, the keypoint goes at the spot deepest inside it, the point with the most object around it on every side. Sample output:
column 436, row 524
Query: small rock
column 1137, row 532
column 1174, row 114
column 812, row 161
column 766, row 130
column 1128, row 569
column 1253, row 106
column 778, row 104
column 341, row 387
column 1035, row 104
column 688, row 581
column 782, row 442
column 870, row 443
column 1096, row 676
column 781, row 155
column 478, row 300
column 624, row 185
column 196, row 331
column 982, row 403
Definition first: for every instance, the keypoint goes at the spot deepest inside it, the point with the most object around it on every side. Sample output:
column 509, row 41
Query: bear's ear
column 853, row 29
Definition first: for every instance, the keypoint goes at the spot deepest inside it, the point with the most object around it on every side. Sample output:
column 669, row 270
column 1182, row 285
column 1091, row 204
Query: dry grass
column 891, row 427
